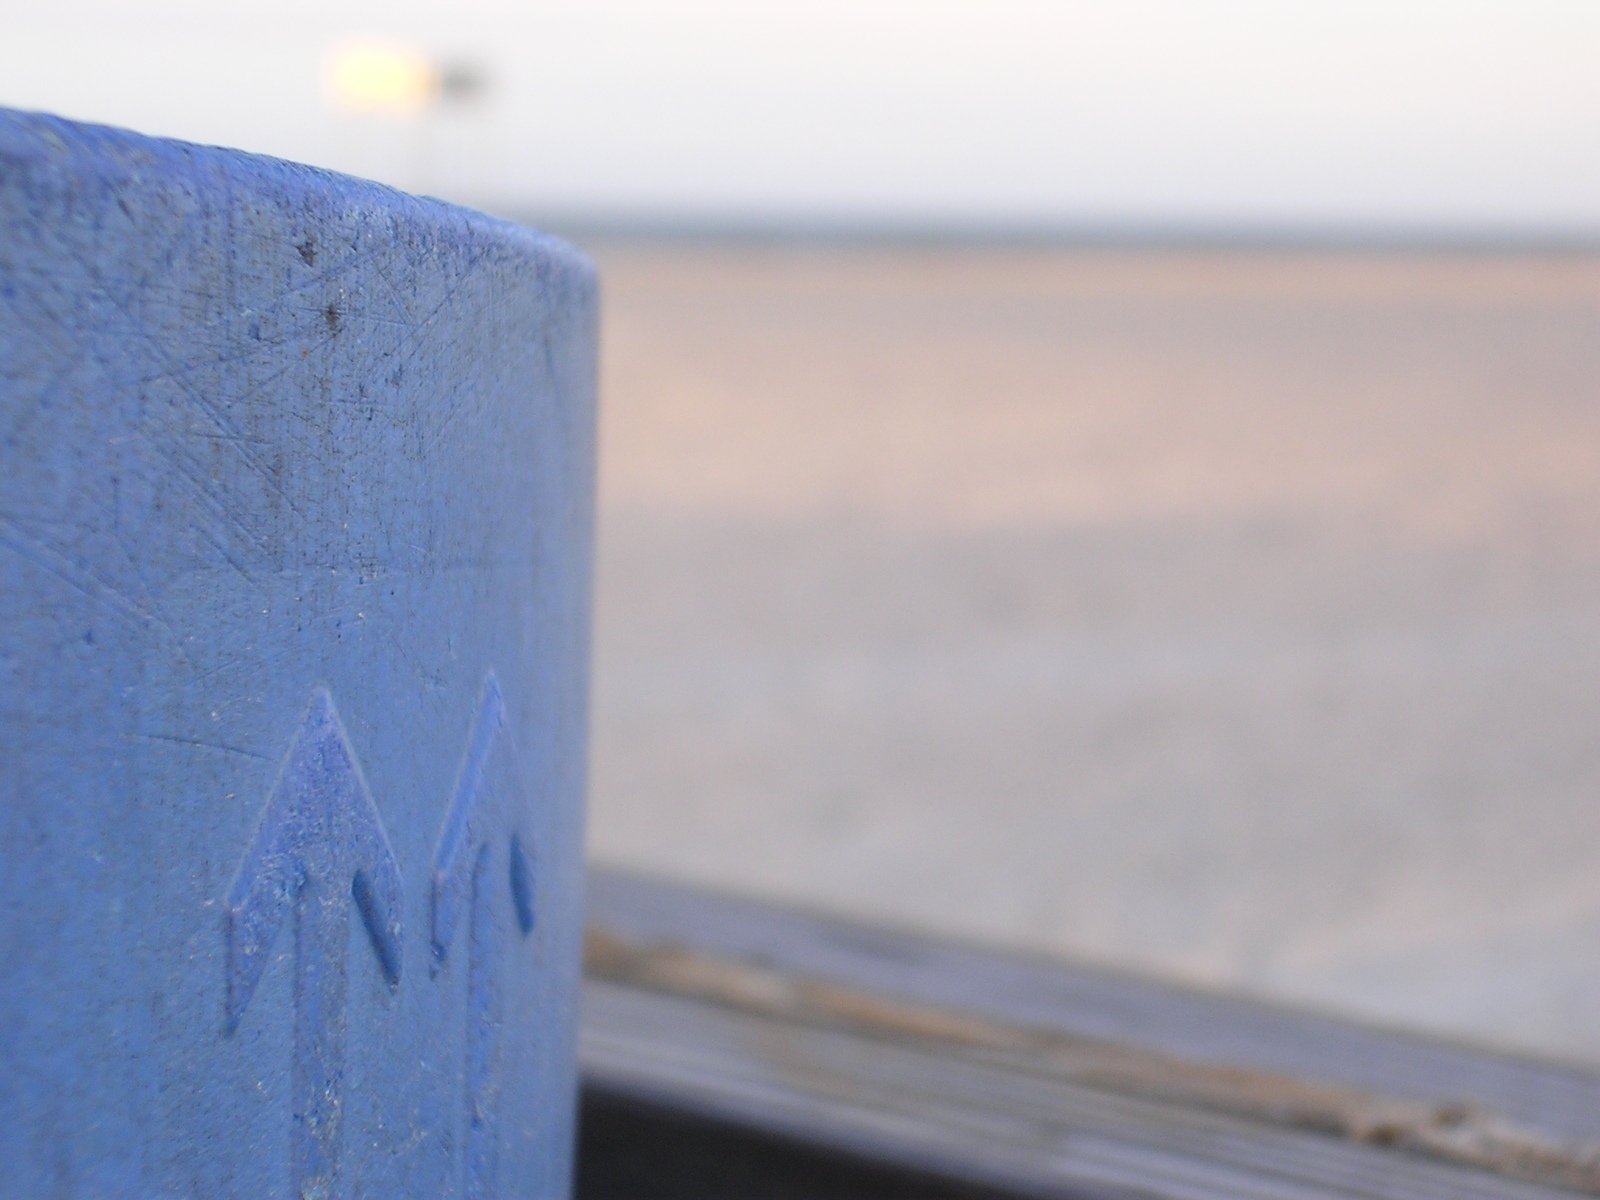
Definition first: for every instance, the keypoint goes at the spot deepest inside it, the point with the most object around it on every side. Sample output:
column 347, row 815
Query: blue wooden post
column 296, row 481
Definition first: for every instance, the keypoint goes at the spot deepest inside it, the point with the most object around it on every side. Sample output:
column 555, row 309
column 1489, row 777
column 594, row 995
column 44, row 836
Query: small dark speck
column 88, row 636
column 331, row 315
column 308, row 251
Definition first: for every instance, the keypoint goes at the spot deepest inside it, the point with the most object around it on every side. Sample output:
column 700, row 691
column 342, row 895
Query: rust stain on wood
column 1456, row 1133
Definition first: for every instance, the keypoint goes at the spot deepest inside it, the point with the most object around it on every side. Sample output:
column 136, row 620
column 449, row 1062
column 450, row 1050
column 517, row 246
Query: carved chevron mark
column 482, row 824
column 320, row 845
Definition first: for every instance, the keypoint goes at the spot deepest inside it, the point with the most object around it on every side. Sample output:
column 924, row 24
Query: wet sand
column 1232, row 616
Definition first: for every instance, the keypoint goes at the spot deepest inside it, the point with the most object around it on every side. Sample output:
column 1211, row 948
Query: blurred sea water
column 1232, row 616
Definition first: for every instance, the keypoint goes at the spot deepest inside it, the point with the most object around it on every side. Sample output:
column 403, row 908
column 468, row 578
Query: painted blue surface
column 296, row 481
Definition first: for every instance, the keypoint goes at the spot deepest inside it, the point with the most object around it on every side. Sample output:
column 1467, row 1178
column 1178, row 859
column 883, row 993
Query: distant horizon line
column 1089, row 235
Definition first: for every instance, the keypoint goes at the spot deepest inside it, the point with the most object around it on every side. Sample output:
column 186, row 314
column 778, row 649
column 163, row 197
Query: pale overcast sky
column 1444, row 115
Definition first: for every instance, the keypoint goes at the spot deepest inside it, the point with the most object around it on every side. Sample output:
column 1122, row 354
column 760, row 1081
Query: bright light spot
column 380, row 77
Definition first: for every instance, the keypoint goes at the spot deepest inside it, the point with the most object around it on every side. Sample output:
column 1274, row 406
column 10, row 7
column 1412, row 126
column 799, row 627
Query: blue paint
column 320, row 848
column 482, row 828
column 296, row 482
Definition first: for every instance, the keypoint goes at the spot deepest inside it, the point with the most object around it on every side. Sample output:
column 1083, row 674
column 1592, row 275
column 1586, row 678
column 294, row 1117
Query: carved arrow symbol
column 320, row 844
column 485, row 813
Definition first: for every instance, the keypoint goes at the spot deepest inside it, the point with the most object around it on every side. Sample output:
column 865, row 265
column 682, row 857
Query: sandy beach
column 1230, row 616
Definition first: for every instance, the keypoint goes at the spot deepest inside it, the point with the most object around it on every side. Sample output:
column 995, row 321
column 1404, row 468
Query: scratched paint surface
column 295, row 507
column 321, row 849
column 482, row 851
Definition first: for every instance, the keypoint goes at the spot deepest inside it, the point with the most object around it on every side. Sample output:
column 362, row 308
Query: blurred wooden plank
column 861, row 1049
column 1559, row 1100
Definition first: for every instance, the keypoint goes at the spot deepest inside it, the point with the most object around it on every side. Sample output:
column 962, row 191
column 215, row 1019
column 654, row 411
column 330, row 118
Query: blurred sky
column 1461, row 117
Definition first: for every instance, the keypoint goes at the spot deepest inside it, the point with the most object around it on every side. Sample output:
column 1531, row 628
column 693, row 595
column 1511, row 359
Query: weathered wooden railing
column 736, row 1049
